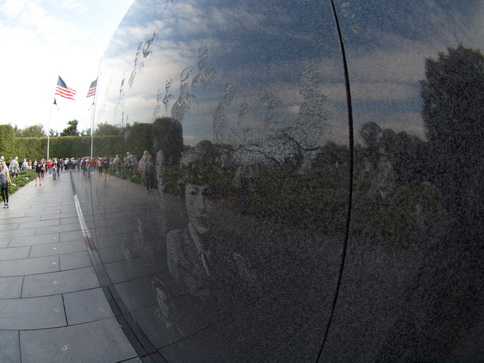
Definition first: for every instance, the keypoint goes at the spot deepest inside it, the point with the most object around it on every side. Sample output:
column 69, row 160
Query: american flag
column 64, row 91
column 92, row 89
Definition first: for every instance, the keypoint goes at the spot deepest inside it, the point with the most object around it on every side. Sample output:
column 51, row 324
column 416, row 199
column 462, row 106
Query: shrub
column 21, row 180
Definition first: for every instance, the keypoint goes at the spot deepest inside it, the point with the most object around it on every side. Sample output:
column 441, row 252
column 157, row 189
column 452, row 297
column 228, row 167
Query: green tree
column 140, row 139
column 71, row 129
column 332, row 154
column 105, row 129
column 33, row 131
column 7, row 147
column 409, row 155
column 453, row 113
column 447, row 295
column 54, row 133
column 17, row 132
column 371, row 133
column 86, row 132
column 168, row 138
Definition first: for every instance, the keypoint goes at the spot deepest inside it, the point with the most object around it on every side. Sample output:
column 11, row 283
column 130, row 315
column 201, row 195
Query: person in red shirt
column 92, row 166
column 49, row 167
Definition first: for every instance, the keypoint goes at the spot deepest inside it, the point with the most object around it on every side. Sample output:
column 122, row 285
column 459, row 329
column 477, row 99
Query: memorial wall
column 293, row 181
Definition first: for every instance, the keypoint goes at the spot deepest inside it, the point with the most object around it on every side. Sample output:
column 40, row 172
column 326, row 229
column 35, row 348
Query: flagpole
column 93, row 114
column 48, row 135
column 94, row 103
column 50, row 117
column 61, row 90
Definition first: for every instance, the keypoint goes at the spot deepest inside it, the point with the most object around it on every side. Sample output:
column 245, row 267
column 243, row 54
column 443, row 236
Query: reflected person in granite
column 206, row 279
column 160, row 170
column 204, row 268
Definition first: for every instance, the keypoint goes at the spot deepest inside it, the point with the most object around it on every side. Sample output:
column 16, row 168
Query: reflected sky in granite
column 387, row 43
column 261, row 84
column 225, row 69
column 176, row 49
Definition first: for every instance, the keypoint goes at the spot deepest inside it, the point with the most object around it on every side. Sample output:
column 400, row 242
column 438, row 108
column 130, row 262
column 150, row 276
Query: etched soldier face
column 197, row 208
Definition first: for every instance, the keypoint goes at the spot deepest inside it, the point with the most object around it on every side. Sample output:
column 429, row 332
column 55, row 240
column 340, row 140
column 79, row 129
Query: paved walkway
column 52, row 307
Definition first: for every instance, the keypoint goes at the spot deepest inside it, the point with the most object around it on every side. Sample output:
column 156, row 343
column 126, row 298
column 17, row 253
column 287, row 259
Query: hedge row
column 60, row 147
column 164, row 133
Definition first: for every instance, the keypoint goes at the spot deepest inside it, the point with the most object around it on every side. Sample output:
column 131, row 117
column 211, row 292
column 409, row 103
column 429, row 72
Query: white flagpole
column 93, row 112
column 50, row 116
column 48, row 133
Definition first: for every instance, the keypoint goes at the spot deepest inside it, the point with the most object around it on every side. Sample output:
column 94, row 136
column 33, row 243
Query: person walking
column 24, row 166
column 39, row 171
column 84, row 166
column 100, row 164
column 5, row 181
column 58, row 164
column 92, row 167
column 54, row 169
column 106, row 166
column 148, row 173
column 14, row 167
column 49, row 167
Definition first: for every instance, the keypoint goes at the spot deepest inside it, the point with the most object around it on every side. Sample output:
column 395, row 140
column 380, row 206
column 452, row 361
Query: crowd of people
column 106, row 165
column 109, row 165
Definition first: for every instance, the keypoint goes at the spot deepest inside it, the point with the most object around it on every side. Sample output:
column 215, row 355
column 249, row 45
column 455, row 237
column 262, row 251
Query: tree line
column 103, row 129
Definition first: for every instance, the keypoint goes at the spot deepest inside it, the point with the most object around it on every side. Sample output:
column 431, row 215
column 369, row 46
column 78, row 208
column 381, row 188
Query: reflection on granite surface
column 268, row 232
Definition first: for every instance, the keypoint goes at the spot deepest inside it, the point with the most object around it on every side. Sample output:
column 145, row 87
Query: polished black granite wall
column 317, row 187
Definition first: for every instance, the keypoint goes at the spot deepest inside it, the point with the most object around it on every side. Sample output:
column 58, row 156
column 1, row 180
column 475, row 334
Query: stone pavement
column 52, row 306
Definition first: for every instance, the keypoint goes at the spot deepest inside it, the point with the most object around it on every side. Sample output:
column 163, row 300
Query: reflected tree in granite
column 444, row 301
column 140, row 138
column 169, row 138
column 371, row 134
column 453, row 113
column 396, row 206
column 105, row 129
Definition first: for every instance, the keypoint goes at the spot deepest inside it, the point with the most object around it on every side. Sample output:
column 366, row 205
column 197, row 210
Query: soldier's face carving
column 197, row 207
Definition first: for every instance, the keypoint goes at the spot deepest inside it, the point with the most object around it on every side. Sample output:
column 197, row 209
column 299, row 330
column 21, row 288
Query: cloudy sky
column 269, row 44
column 42, row 39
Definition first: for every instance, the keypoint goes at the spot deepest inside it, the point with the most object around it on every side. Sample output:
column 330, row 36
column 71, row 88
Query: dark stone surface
column 337, row 200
